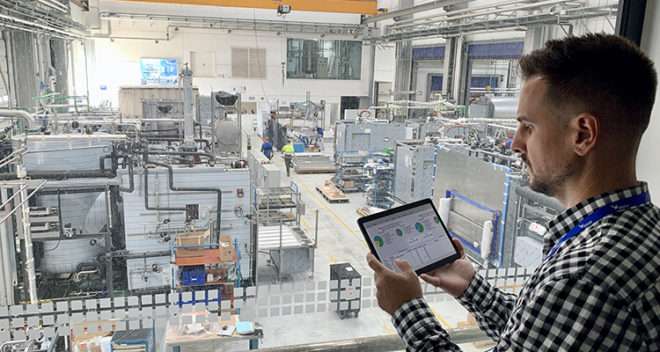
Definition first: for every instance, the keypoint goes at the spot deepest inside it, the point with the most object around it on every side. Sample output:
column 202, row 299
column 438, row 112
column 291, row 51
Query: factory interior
column 187, row 175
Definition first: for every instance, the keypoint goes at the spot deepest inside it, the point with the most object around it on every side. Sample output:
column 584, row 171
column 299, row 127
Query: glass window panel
column 324, row 59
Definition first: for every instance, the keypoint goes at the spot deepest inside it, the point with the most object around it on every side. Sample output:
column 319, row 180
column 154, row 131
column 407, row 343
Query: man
column 584, row 105
column 267, row 148
column 288, row 150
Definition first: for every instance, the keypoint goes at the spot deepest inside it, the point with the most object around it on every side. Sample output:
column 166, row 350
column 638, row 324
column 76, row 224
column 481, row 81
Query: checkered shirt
column 599, row 292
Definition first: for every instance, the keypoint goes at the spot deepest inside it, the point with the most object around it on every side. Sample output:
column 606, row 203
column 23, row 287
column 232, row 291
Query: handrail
column 375, row 343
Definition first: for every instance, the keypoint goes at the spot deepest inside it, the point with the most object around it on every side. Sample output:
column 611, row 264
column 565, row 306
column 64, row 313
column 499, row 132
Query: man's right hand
column 455, row 277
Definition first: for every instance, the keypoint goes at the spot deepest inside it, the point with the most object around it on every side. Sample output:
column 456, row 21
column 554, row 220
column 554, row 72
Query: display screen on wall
column 159, row 71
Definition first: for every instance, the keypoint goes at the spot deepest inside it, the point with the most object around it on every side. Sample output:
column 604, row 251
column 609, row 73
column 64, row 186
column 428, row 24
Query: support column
column 30, row 275
column 188, row 109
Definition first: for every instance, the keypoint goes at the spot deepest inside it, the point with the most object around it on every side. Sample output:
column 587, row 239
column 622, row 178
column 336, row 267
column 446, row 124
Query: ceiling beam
column 364, row 7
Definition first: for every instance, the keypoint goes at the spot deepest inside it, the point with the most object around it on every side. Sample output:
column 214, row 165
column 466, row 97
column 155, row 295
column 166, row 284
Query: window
column 248, row 63
column 324, row 59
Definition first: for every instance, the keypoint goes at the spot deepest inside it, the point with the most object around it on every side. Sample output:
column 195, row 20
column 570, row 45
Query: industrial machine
column 493, row 107
column 301, row 122
column 488, row 206
column 101, row 206
column 415, row 167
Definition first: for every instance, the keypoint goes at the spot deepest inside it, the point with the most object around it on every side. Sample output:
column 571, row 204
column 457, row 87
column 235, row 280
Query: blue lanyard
column 597, row 215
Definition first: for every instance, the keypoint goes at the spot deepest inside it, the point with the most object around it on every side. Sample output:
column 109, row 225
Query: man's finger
column 403, row 265
column 375, row 264
column 459, row 247
column 435, row 281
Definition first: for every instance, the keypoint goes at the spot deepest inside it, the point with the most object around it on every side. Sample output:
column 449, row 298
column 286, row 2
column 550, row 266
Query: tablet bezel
column 386, row 213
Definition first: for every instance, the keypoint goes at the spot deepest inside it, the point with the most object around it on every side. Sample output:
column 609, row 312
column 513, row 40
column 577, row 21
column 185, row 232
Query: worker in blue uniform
column 267, row 148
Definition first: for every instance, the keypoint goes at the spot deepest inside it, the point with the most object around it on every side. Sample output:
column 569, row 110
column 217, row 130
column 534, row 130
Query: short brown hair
column 605, row 75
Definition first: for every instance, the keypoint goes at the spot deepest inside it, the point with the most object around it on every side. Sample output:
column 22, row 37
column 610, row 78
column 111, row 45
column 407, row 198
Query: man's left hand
column 394, row 289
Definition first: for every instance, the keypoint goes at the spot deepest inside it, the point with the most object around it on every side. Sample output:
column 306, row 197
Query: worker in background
column 597, row 288
column 267, row 148
column 287, row 150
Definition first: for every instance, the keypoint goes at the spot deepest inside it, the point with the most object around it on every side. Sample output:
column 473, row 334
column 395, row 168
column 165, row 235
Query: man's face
column 543, row 140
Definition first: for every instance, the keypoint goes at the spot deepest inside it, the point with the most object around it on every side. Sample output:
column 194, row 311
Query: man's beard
column 549, row 185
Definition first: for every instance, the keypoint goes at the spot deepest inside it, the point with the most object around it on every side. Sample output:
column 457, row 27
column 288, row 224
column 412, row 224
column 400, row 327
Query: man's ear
column 586, row 132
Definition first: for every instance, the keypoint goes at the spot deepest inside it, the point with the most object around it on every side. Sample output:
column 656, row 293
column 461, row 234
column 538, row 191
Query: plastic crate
column 193, row 275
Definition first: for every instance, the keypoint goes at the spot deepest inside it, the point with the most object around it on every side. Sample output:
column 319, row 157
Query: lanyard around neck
column 597, row 215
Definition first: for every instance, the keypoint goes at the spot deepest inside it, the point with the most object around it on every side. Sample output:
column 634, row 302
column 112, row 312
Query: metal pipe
column 41, row 26
column 399, row 24
column 493, row 24
column 30, row 273
column 23, row 201
column 131, row 176
column 209, row 156
column 146, row 194
column 62, row 175
column 188, row 108
column 218, row 191
column 25, row 116
column 128, row 255
column 12, row 155
column 413, row 10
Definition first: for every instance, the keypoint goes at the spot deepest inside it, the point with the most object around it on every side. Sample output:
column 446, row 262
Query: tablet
column 413, row 232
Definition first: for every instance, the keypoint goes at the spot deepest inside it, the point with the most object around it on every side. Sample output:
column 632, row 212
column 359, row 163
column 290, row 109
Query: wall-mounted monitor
column 159, row 71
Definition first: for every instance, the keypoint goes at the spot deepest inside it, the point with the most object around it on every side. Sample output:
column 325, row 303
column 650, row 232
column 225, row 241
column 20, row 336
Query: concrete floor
column 339, row 240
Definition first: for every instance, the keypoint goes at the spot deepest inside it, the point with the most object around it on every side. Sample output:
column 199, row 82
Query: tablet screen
column 415, row 235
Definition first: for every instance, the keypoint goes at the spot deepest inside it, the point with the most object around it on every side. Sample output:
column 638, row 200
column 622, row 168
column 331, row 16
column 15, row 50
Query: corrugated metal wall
column 25, row 68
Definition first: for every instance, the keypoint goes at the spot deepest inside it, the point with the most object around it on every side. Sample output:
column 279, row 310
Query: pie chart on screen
column 379, row 241
column 419, row 227
column 399, row 232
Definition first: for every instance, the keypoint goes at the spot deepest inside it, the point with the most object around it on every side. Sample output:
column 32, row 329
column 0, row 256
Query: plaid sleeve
column 490, row 305
column 419, row 329
column 568, row 314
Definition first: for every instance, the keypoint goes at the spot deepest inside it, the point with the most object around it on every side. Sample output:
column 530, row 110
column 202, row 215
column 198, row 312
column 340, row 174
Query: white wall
column 648, row 165
column 385, row 63
column 116, row 63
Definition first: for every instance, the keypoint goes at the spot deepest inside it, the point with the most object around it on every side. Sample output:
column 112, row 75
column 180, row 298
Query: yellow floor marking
column 331, row 212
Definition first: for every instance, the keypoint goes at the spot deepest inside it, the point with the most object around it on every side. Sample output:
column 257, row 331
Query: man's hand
column 455, row 277
column 394, row 289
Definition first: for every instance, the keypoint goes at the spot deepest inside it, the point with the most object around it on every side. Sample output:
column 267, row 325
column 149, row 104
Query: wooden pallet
column 332, row 194
column 364, row 211
column 324, row 170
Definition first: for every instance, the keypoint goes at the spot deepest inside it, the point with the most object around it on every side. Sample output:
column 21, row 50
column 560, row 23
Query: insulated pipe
column 218, row 212
column 131, row 176
column 61, row 175
column 146, row 194
column 128, row 255
column 23, row 115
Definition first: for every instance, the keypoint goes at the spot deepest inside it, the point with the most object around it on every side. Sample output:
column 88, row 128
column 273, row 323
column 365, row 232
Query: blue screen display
column 159, row 71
